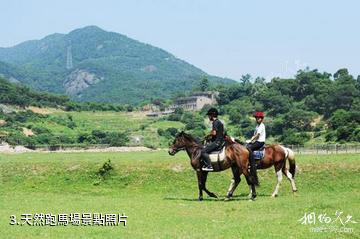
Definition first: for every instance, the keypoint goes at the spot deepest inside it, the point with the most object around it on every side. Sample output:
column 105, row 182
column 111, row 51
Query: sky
column 227, row 38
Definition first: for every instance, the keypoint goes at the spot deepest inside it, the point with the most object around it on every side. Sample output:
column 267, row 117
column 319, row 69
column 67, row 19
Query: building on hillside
column 196, row 101
column 151, row 107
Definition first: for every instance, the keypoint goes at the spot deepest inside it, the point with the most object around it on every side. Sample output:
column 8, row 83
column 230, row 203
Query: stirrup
column 208, row 168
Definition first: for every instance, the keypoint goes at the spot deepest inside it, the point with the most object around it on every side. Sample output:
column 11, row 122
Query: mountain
column 90, row 64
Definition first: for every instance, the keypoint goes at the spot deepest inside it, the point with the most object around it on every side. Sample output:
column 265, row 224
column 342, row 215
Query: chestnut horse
column 277, row 155
column 236, row 158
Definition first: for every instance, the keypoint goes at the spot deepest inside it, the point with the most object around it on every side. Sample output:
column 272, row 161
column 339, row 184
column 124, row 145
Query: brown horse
column 236, row 158
column 276, row 155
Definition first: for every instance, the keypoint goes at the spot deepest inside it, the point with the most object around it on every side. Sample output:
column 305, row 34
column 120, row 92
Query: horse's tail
column 290, row 156
column 291, row 159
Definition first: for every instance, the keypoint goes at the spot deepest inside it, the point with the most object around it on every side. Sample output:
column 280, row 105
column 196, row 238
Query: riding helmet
column 259, row 114
column 213, row 112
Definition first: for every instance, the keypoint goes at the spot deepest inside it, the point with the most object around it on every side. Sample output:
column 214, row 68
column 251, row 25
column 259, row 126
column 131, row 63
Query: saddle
column 217, row 156
column 259, row 154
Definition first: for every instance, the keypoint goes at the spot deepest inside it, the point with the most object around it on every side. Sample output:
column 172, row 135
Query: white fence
column 325, row 148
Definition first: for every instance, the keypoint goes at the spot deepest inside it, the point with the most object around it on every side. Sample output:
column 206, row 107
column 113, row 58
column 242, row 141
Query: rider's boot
column 252, row 164
column 207, row 163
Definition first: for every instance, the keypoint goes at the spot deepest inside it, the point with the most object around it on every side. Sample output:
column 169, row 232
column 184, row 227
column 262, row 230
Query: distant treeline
column 311, row 105
column 22, row 96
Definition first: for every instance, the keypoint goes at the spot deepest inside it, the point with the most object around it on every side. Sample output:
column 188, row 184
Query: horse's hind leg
column 290, row 177
column 234, row 182
column 211, row 194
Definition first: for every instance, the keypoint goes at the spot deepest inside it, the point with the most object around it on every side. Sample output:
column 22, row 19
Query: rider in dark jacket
column 216, row 137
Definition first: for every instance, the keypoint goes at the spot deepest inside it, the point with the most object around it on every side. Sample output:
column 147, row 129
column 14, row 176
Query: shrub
column 105, row 169
column 40, row 130
column 117, row 139
column 290, row 136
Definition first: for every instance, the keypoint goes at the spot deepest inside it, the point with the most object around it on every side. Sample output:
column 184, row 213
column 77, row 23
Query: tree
column 204, row 84
column 299, row 119
column 290, row 136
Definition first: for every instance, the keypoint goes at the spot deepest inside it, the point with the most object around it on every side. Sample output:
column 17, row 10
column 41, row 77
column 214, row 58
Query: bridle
column 174, row 149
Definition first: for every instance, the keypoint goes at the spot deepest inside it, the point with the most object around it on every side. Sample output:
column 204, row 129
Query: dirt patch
column 316, row 121
column 27, row 132
column 74, row 167
column 178, row 168
column 2, row 122
column 6, row 148
column 39, row 110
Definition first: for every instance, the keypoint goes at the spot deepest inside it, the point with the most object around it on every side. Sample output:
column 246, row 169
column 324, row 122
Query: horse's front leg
column 211, row 194
column 251, row 184
column 279, row 180
column 248, row 181
column 200, row 184
column 234, row 182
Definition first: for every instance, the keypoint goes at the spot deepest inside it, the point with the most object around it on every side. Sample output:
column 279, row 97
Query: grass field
column 158, row 194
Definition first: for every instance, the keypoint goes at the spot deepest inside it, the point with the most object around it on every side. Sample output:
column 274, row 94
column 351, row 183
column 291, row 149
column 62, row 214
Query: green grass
column 159, row 193
column 134, row 123
column 86, row 121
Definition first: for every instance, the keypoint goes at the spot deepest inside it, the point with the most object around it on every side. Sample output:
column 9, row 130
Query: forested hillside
column 22, row 96
column 90, row 64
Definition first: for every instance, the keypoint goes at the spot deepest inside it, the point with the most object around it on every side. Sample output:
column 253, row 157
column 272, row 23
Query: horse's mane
column 190, row 138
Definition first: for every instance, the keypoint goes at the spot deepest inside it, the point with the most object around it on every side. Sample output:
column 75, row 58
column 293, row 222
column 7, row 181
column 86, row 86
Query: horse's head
column 181, row 142
column 178, row 144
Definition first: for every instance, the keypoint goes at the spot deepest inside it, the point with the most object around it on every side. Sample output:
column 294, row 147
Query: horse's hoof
column 274, row 195
column 200, row 199
column 213, row 195
column 226, row 199
column 294, row 191
column 252, row 199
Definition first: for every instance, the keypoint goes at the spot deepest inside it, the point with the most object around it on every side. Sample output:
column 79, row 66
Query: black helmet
column 213, row 112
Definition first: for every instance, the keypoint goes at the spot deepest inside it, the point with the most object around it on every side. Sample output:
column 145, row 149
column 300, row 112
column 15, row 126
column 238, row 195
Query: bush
column 290, row 136
column 117, row 139
column 177, row 115
column 356, row 135
column 66, row 139
column 87, row 138
column 16, row 139
column 98, row 134
column 105, row 169
column 40, row 130
column 168, row 133
column 172, row 131
column 30, row 143
column 44, row 138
